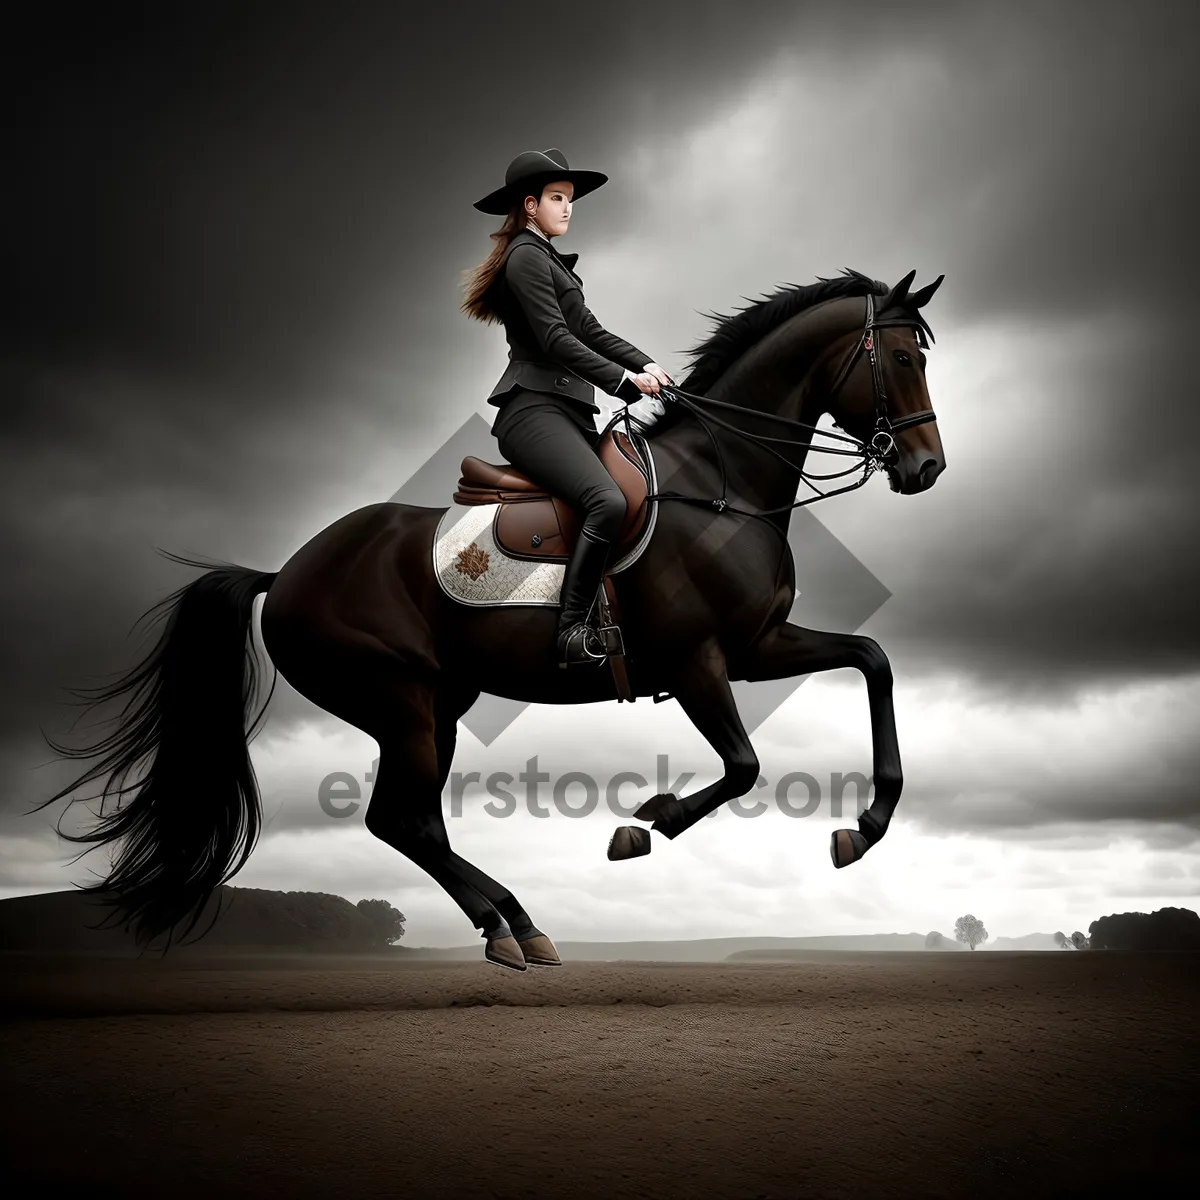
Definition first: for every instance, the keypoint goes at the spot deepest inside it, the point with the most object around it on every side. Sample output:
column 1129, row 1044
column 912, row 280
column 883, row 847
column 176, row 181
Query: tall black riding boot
column 578, row 642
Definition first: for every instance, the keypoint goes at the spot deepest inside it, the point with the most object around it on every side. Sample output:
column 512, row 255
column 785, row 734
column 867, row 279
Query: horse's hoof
column 654, row 807
column 629, row 842
column 539, row 951
column 505, row 952
column 847, row 846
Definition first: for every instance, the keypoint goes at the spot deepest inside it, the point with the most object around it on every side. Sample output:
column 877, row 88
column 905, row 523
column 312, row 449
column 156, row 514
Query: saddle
column 533, row 524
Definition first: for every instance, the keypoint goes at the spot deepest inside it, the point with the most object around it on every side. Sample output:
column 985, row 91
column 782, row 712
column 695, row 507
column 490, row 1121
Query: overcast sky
column 234, row 246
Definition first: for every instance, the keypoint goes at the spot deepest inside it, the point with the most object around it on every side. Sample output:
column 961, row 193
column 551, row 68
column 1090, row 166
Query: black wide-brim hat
column 533, row 170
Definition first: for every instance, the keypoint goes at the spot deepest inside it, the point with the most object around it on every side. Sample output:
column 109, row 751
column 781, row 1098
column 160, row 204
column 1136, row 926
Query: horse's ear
column 926, row 293
column 896, row 297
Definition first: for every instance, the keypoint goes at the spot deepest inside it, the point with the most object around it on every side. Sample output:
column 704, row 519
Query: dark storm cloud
column 249, row 186
column 1070, row 559
column 234, row 240
column 1073, row 200
column 241, row 189
column 1058, row 172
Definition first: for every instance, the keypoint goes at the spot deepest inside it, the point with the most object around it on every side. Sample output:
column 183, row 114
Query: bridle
column 883, row 442
column 875, row 453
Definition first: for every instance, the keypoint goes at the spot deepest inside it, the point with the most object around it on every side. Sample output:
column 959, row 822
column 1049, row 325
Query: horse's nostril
column 930, row 470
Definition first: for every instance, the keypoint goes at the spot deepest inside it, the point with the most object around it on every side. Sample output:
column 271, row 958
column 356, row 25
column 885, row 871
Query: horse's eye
column 902, row 357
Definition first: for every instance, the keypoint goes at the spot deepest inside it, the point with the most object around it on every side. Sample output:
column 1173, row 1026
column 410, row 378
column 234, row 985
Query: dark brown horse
column 357, row 622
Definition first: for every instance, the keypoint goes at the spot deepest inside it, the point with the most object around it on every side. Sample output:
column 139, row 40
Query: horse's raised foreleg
column 789, row 650
column 703, row 692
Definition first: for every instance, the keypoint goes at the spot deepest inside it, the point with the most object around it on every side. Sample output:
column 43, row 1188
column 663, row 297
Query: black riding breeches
column 545, row 441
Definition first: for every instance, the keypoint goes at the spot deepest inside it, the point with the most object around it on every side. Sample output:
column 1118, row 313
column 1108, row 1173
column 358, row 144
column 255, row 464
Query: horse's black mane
column 736, row 333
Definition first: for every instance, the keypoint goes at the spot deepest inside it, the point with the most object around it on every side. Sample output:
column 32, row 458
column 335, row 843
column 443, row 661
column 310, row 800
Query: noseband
column 876, row 453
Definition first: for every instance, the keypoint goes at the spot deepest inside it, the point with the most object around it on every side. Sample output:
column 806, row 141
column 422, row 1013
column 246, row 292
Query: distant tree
column 386, row 922
column 970, row 931
column 934, row 940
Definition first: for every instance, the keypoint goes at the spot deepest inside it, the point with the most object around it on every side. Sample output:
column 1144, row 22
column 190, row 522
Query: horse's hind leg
column 413, row 716
column 536, row 947
column 405, row 808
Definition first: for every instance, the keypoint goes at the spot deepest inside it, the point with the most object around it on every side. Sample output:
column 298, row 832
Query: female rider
column 557, row 350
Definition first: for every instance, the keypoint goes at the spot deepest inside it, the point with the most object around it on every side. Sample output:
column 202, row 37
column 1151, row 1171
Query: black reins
column 874, row 453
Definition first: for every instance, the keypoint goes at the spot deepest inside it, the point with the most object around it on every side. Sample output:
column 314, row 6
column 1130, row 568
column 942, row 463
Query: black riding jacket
column 555, row 344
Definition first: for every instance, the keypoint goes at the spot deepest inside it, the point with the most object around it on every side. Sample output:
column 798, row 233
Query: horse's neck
column 773, row 378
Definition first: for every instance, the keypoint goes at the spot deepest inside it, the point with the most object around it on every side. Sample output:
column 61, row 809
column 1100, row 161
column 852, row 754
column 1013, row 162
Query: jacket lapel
column 567, row 260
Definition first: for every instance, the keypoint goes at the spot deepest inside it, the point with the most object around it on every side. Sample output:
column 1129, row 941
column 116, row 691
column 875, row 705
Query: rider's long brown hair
column 477, row 280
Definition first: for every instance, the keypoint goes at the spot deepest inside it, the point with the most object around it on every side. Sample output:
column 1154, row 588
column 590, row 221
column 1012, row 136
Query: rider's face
column 553, row 213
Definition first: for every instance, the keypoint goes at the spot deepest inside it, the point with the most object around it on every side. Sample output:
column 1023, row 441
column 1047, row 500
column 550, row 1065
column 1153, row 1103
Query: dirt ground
column 987, row 1074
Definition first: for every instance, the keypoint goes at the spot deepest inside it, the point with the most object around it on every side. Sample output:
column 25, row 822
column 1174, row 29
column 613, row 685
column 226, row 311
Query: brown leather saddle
column 532, row 524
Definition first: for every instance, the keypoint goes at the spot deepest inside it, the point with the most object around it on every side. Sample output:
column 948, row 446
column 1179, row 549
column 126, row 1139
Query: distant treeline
column 1164, row 929
column 234, row 920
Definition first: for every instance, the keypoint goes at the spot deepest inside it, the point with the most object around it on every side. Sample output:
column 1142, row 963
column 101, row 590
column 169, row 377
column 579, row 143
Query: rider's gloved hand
column 633, row 387
column 642, row 403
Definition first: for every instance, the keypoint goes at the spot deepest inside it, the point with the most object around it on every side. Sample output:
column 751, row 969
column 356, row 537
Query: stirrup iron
column 610, row 635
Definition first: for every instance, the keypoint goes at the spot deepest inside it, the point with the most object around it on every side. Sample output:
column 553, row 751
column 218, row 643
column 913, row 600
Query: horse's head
column 877, row 391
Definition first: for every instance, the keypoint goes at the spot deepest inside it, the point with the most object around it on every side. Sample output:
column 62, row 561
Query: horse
column 357, row 622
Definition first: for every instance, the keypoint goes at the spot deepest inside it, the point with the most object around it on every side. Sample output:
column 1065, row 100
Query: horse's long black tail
column 196, row 814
